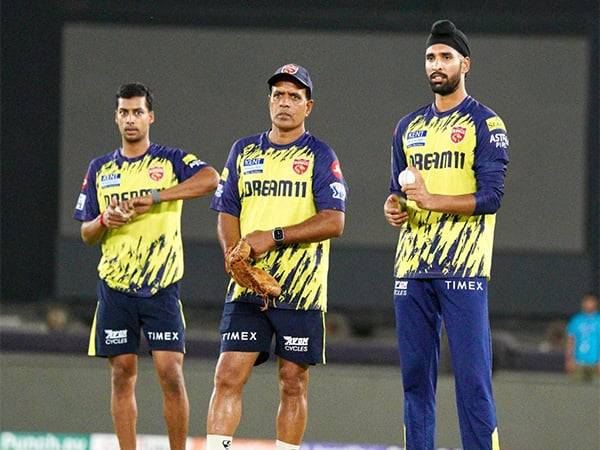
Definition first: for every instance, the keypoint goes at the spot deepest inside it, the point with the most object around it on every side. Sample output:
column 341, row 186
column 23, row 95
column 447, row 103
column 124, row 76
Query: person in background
column 582, row 356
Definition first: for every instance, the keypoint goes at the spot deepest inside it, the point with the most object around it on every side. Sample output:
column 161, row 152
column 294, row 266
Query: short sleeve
column 185, row 164
column 329, row 186
column 87, row 207
column 226, row 198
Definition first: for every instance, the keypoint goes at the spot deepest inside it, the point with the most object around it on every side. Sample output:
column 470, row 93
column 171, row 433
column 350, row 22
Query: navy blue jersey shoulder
column 117, row 156
column 155, row 150
column 98, row 162
column 262, row 140
column 403, row 123
column 238, row 146
column 244, row 142
column 479, row 111
column 318, row 146
column 162, row 150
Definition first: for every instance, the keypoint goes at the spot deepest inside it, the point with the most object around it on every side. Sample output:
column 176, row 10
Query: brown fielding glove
column 237, row 262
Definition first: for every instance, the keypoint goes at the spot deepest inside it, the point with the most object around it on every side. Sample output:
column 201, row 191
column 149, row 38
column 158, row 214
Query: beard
column 446, row 87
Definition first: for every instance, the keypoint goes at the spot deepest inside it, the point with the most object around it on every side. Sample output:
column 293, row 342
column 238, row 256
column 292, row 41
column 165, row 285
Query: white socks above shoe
column 218, row 442
column 285, row 446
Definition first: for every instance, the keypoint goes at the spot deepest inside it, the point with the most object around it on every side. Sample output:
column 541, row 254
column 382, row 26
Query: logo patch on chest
column 253, row 165
column 110, row 180
column 300, row 165
column 156, row 173
column 416, row 138
column 458, row 134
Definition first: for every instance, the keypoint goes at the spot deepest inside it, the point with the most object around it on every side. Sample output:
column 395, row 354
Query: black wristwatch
column 278, row 236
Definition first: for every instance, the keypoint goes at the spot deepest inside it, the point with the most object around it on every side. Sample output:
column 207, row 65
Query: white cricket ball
column 406, row 177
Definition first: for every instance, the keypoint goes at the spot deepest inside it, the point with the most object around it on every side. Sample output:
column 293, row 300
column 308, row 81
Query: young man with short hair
column 131, row 201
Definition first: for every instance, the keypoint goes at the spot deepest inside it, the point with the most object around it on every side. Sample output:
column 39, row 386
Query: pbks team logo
column 300, row 165
column 458, row 134
column 156, row 173
column 289, row 68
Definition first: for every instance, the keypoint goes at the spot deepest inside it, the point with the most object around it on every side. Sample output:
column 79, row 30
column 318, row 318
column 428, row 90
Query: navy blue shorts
column 299, row 334
column 120, row 318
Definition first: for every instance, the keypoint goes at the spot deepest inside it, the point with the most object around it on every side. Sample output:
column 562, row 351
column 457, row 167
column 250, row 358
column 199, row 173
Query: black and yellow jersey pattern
column 460, row 151
column 266, row 186
column 145, row 255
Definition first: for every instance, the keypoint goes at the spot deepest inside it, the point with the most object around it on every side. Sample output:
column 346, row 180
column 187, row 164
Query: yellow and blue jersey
column 267, row 185
column 145, row 255
column 460, row 151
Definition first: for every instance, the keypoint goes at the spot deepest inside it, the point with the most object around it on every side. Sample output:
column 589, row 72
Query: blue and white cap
column 292, row 72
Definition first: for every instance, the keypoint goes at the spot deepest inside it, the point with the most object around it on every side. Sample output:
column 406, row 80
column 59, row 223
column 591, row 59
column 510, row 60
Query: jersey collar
column 266, row 142
column 467, row 100
column 120, row 158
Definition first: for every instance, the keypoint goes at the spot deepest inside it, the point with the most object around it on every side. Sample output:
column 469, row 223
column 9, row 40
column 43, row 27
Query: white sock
column 279, row 445
column 218, row 442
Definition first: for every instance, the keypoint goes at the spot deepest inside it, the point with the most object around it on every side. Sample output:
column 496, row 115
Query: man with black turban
column 449, row 161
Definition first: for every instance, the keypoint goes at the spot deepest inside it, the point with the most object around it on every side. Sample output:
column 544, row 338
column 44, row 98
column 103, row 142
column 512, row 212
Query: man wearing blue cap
column 284, row 192
column 449, row 161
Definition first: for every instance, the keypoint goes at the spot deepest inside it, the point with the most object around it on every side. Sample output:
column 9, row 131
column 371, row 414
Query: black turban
column 445, row 32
